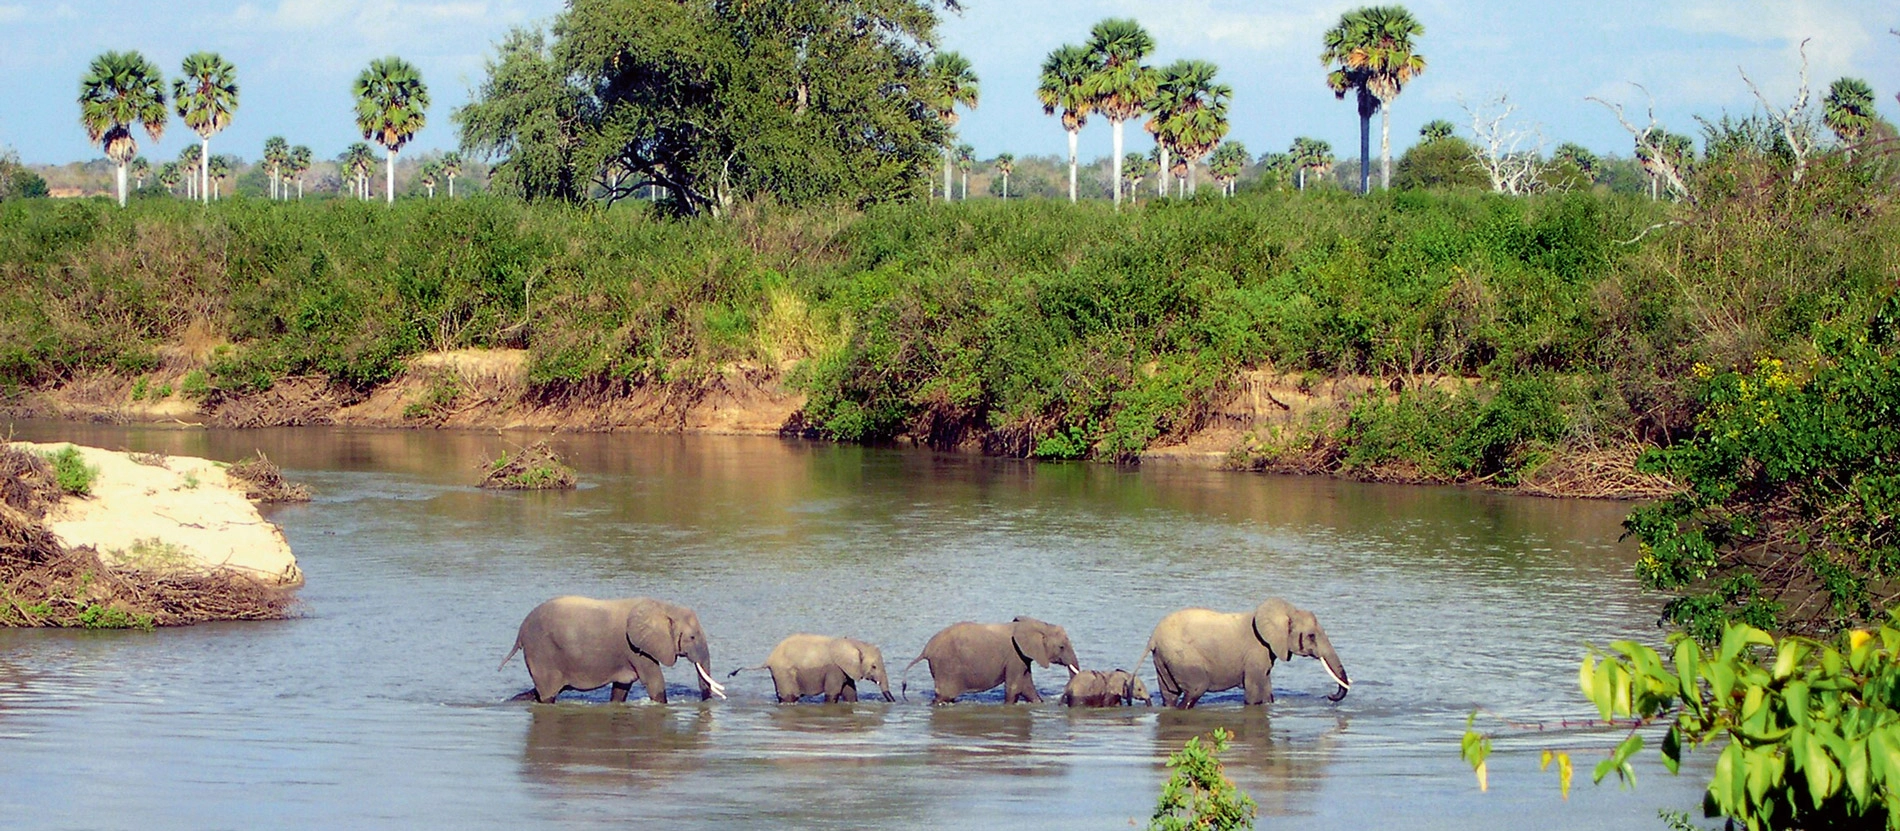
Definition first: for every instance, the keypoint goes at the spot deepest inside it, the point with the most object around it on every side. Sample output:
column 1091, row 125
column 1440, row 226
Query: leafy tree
column 1849, row 111
column 276, row 155
column 392, row 105
column 808, row 100
column 949, row 80
column 1063, row 86
column 16, row 181
column 1119, row 85
column 1005, row 163
column 1446, row 163
column 1228, row 160
column 206, row 98
column 1199, row 795
column 1437, row 129
column 1372, row 51
column 121, row 90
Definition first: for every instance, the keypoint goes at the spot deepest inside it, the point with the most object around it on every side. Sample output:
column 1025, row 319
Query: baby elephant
column 805, row 665
column 1095, row 688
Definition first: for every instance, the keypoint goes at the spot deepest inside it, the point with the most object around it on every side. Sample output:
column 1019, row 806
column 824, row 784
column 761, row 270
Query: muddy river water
column 380, row 706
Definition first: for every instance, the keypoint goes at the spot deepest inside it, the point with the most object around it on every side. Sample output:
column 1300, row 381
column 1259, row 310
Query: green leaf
column 1672, row 750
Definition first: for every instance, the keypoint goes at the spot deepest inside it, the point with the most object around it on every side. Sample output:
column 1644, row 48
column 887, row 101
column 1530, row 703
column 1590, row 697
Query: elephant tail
column 904, row 690
column 1135, row 668
column 511, row 655
column 735, row 673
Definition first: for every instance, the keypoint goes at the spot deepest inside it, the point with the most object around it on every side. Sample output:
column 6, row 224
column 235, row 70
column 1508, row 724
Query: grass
column 70, row 470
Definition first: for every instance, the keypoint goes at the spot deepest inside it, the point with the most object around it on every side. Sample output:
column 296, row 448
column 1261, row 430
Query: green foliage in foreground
column 1809, row 730
column 71, row 471
column 1792, row 516
column 1199, row 795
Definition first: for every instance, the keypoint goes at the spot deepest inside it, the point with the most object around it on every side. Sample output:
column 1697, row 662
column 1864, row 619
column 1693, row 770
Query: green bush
column 70, row 470
column 1199, row 795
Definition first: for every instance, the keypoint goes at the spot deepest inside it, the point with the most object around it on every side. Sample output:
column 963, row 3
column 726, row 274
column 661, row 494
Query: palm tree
column 1578, row 156
column 206, row 97
column 1436, row 129
column 392, row 104
column 1120, row 84
column 451, row 166
column 218, row 169
column 948, row 81
column 1310, row 154
column 121, row 90
column 966, row 158
column 1005, row 164
column 1064, row 74
column 140, row 169
column 297, row 165
column 1228, row 160
column 1372, row 50
column 431, row 170
column 1657, row 149
column 356, row 161
column 1165, row 102
column 1849, row 112
column 276, row 153
column 168, row 176
column 1196, row 119
column 1136, row 167
column 189, row 160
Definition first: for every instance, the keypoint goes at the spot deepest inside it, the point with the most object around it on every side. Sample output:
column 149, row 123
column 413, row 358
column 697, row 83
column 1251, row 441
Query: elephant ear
column 1032, row 639
column 653, row 632
column 1273, row 625
column 848, row 655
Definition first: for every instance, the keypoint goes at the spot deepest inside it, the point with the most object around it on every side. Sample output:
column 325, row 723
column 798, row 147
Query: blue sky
column 296, row 58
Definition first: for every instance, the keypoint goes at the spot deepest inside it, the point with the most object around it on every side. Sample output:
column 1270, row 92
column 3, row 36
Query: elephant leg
column 1020, row 685
column 785, row 685
column 835, row 684
column 1164, row 679
column 1259, row 687
column 547, row 684
column 850, row 691
column 649, row 672
column 619, row 692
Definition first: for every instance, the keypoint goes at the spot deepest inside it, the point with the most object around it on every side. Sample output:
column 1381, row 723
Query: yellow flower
column 1858, row 637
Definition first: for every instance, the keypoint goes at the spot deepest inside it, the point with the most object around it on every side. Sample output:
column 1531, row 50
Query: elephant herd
column 578, row 643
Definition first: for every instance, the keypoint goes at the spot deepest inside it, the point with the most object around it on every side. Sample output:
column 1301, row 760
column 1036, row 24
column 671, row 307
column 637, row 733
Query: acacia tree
column 1063, row 86
column 1373, row 55
column 1119, row 85
column 120, row 91
column 206, row 98
column 949, row 80
column 808, row 100
column 392, row 105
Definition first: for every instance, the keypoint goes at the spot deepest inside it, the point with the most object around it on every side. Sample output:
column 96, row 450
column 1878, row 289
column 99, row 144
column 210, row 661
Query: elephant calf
column 579, row 643
column 1095, row 688
column 1198, row 651
column 972, row 657
column 805, row 665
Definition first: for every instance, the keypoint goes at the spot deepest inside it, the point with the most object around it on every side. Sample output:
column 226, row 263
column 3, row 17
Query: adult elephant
column 805, row 665
column 972, row 657
column 1198, row 651
column 579, row 643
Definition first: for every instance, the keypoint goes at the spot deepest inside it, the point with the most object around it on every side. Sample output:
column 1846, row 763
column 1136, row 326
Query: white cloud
column 12, row 14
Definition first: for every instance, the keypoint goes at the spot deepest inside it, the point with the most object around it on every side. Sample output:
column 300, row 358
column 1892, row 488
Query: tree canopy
column 818, row 101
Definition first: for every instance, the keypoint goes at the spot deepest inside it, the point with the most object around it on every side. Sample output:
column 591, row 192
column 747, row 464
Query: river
column 380, row 705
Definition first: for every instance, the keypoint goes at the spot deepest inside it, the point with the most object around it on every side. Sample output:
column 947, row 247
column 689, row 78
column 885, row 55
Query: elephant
column 971, row 657
column 805, row 665
column 579, row 643
column 1197, row 651
column 1095, row 688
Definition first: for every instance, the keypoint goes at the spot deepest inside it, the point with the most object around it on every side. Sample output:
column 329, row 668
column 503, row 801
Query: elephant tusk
column 1074, row 670
column 716, row 688
column 1343, row 683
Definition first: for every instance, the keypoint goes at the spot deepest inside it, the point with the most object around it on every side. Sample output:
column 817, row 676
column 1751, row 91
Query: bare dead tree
column 1797, row 126
column 1500, row 149
column 1650, row 144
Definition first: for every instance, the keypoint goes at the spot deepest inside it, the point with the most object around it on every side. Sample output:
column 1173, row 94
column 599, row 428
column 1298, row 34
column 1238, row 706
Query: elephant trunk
column 884, row 683
column 1330, row 660
column 701, row 657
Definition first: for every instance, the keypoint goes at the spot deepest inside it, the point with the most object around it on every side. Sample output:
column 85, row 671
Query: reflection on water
column 381, row 706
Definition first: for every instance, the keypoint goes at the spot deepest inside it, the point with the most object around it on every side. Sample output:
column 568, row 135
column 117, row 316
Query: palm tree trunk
column 1005, row 187
column 1302, row 179
column 1161, row 181
column 1073, row 134
column 204, row 169
column 1117, row 124
column 966, row 185
column 300, row 188
column 1365, row 153
column 948, row 194
column 1385, row 145
column 451, row 187
column 391, row 183
column 1192, row 186
column 121, row 186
